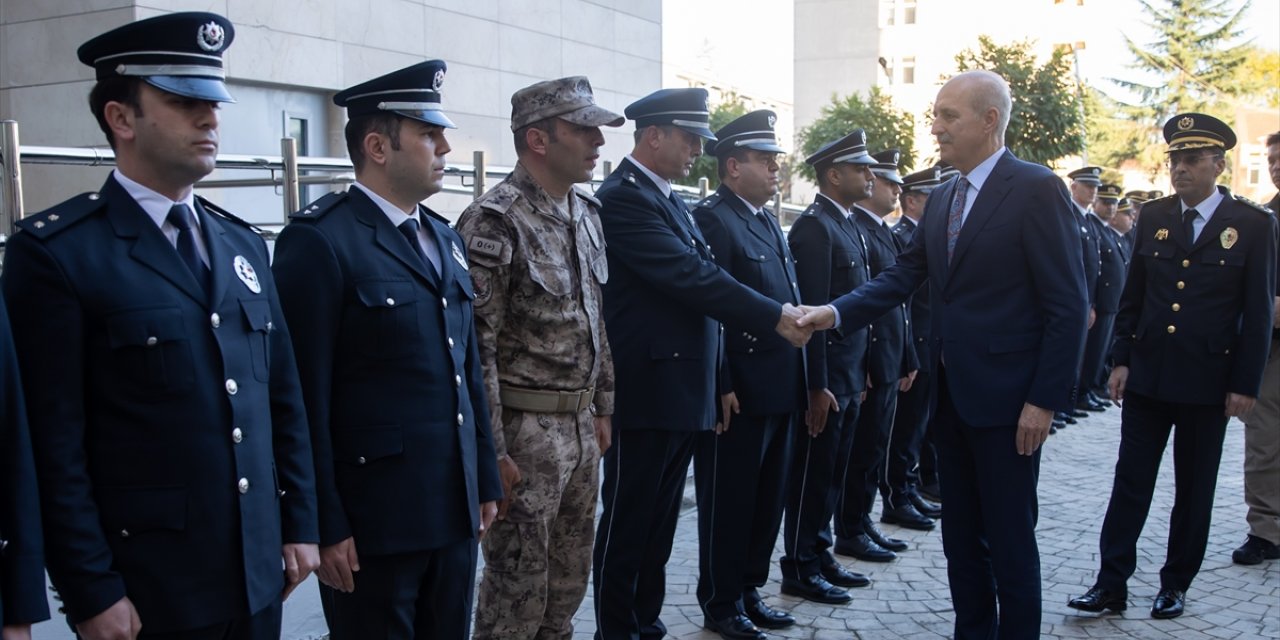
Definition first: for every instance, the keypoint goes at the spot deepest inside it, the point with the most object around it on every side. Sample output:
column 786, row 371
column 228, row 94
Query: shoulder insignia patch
column 499, row 199
column 50, row 221
column 227, row 215
column 812, row 210
column 1255, row 205
column 320, row 206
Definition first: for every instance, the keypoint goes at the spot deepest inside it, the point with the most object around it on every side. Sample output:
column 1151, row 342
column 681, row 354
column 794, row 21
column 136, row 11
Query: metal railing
column 289, row 172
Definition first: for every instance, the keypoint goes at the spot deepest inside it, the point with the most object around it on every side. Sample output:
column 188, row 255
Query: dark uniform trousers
column 263, row 625
column 830, row 261
column 741, row 473
column 904, row 458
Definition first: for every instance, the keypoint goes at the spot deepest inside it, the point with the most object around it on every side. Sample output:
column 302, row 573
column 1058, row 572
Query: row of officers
column 391, row 394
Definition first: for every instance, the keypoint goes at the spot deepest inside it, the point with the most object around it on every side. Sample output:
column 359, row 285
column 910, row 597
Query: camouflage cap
column 569, row 99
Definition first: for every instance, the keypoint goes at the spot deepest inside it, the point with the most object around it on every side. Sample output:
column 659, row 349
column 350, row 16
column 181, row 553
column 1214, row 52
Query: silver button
column 444, row 302
column 232, row 387
column 675, row 355
column 152, row 341
column 94, row 196
column 450, row 341
column 124, row 533
column 360, row 460
column 271, row 326
column 692, row 242
column 243, row 485
column 457, row 380
column 237, row 435
column 215, row 320
column 391, row 302
column 461, row 419
column 750, row 350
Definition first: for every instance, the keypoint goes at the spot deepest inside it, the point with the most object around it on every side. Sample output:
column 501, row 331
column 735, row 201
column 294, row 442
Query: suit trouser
column 866, row 460
column 1145, row 424
column 1097, row 346
column 741, row 477
column 263, row 625
column 988, row 536
column 910, row 421
column 538, row 558
column 1262, row 454
column 421, row 595
column 814, row 488
column 644, row 475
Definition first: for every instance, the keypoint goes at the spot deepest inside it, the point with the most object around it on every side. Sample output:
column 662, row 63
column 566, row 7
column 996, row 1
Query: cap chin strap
column 185, row 70
column 409, row 106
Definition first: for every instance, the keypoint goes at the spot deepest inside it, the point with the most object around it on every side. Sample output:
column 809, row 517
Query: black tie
column 409, row 229
column 774, row 231
column 1188, row 224
column 180, row 217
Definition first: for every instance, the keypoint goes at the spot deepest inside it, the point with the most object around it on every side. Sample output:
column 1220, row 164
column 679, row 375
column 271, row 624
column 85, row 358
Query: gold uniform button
column 1177, row 307
column 1172, row 329
column 461, row 419
column 215, row 320
column 1182, row 285
column 243, row 485
column 1186, row 263
column 152, row 341
column 232, row 387
column 237, row 435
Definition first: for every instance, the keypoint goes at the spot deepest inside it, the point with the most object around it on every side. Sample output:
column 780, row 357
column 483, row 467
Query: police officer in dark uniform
column 1191, row 341
column 662, row 305
column 378, row 288
column 891, row 366
column 169, row 432
column 830, row 261
column 1084, row 190
column 907, row 441
column 1112, row 266
column 741, row 467
column 22, row 600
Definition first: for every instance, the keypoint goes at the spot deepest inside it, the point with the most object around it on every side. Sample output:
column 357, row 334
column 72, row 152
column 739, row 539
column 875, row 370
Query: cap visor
column 436, row 118
column 704, row 132
column 211, row 89
column 767, row 147
column 862, row 157
column 593, row 116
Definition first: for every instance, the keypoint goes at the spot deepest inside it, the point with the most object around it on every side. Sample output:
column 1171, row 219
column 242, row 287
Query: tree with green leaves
column 1046, row 122
column 886, row 125
column 727, row 110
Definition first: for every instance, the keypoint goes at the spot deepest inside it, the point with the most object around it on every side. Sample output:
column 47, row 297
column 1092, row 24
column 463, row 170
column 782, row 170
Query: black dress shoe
column 1054, row 426
column 766, row 617
column 1168, row 604
column 877, row 536
column 1097, row 599
column 737, row 627
column 842, row 577
column 815, row 588
column 1085, row 404
column 1254, row 551
column 930, row 491
column 926, row 508
column 907, row 516
column 1099, row 399
column 863, row 548
column 1064, row 417
column 1077, row 413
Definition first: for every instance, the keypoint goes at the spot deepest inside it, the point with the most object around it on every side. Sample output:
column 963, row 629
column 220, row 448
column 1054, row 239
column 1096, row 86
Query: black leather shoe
column 931, row 492
column 737, row 627
column 766, row 617
column 926, row 508
column 877, row 536
column 815, row 588
column 1097, row 599
column 1254, row 551
column 1084, row 404
column 1054, row 426
column 1077, row 413
column 863, row 548
column 1168, row 604
column 907, row 516
column 1099, row 400
column 842, row 577
column 1064, row 417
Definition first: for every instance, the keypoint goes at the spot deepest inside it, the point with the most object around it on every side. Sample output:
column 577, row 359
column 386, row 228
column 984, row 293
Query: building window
column 296, row 128
column 908, row 11
column 887, row 10
column 909, row 70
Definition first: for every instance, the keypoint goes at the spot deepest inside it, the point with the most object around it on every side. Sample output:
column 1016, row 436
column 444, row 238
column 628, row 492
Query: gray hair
column 989, row 91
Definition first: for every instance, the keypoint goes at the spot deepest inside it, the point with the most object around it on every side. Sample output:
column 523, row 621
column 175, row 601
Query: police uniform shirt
column 157, row 208
column 1205, row 209
column 398, row 217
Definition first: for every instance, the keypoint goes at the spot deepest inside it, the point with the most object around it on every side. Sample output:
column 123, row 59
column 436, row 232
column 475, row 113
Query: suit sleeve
column 310, row 285
column 869, row 302
column 49, row 341
column 721, row 243
column 811, row 247
column 22, row 561
column 1256, row 320
column 290, row 435
column 1062, row 293
column 646, row 243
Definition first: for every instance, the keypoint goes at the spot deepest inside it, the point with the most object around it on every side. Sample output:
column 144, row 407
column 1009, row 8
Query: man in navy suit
column 378, row 287
column 663, row 306
column 741, row 466
column 168, row 426
column 1191, row 342
column 22, row 600
column 1001, row 253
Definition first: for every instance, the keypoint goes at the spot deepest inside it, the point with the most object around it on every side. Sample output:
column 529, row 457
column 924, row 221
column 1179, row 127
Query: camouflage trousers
column 538, row 559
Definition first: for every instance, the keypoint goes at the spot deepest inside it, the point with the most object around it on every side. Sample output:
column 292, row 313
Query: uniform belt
column 539, row 401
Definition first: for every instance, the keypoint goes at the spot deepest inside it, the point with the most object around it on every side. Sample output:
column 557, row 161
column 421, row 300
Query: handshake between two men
column 797, row 324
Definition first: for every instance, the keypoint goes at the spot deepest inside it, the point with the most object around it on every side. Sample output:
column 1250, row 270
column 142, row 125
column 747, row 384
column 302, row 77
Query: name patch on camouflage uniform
column 486, row 246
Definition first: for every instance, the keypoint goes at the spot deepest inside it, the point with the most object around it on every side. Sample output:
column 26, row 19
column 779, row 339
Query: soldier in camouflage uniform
column 537, row 263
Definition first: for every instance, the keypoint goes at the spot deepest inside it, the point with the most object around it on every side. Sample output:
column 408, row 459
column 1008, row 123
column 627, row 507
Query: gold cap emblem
column 1186, row 123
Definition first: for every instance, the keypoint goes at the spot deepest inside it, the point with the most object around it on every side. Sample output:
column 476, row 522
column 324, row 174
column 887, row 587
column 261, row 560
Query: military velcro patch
column 491, row 248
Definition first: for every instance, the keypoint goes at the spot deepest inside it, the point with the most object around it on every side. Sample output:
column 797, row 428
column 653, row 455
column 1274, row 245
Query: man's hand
column 119, row 622
column 16, row 632
column 788, row 326
column 299, row 561
column 1238, row 405
column 1115, row 384
column 728, row 407
column 821, row 402
column 904, row 385
column 338, row 563
column 1033, row 428
column 820, row 318
column 488, row 511
column 510, row 475
column 1093, row 316
column 604, row 433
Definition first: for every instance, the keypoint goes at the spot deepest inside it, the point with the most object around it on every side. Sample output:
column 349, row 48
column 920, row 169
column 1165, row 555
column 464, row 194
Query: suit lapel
column 1222, row 218
column 752, row 221
column 934, row 227
column 386, row 236
column 448, row 263
column 149, row 247
column 221, row 255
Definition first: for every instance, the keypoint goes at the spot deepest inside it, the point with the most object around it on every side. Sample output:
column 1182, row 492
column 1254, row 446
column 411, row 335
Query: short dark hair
column 722, row 160
column 665, row 128
column 521, row 135
column 122, row 89
column 1273, row 138
column 387, row 124
column 820, row 171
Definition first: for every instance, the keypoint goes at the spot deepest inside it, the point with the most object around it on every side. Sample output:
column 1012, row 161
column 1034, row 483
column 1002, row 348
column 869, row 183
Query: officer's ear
column 376, row 146
column 121, row 119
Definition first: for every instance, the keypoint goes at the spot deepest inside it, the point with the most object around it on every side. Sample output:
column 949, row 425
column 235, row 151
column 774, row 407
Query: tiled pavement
column 909, row 597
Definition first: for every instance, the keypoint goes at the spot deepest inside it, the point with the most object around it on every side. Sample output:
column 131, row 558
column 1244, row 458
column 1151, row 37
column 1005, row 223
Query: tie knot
column 1190, row 214
column 409, row 226
column 180, row 216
